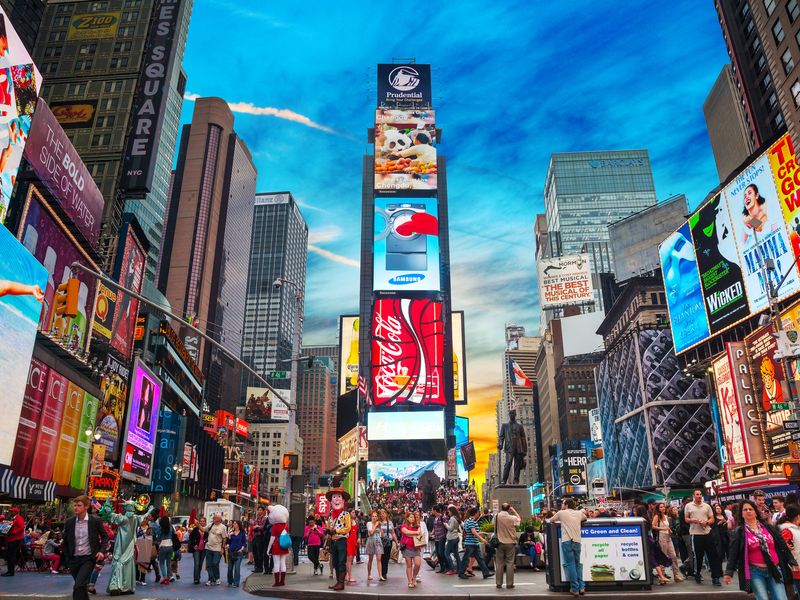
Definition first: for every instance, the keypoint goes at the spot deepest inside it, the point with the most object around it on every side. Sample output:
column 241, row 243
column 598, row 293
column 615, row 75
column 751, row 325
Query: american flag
column 362, row 388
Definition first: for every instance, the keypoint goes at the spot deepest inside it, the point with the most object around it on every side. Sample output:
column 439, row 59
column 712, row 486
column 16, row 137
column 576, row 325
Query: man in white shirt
column 215, row 546
column 700, row 518
column 571, row 520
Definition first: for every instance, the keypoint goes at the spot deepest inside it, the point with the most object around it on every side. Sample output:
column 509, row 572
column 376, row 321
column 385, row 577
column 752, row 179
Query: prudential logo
column 404, row 78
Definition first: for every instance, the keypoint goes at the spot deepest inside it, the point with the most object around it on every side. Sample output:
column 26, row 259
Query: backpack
column 285, row 540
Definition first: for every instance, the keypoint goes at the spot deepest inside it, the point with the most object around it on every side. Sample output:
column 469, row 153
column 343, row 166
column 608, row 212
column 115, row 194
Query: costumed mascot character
column 123, row 564
column 279, row 519
column 339, row 525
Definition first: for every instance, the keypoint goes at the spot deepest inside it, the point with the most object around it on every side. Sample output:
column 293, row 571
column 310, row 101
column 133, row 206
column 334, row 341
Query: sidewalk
column 527, row 583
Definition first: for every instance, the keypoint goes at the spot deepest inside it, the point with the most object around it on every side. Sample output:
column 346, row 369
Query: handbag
column 324, row 554
column 494, row 541
column 419, row 540
column 285, row 540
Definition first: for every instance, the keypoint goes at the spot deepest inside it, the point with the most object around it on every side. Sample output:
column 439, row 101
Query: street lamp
column 298, row 326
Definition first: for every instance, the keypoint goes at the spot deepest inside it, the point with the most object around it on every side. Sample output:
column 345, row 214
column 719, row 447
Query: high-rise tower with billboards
column 407, row 329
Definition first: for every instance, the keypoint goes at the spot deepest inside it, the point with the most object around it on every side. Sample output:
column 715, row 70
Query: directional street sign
column 278, row 375
column 793, row 425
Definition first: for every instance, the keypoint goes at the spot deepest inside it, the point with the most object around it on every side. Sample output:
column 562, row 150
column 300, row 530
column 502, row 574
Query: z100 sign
column 407, row 352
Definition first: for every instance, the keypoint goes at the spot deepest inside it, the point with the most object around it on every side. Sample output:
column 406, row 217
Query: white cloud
column 248, row 108
column 334, row 257
column 326, row 233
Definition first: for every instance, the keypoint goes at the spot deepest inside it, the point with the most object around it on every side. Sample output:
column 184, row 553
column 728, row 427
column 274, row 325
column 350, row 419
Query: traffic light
column 291, row 461
column 791, row 470
column 65, row 304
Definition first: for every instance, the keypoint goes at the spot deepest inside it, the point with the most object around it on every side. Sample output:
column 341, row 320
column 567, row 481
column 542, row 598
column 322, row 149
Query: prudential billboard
column 406, row 250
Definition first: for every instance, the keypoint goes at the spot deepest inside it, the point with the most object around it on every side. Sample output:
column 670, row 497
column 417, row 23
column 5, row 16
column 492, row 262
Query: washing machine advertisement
column 406, row 245
column 405, row 150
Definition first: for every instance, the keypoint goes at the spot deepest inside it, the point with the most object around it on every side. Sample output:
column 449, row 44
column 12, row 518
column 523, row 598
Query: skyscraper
column 26, row 17
column 278, row 248
column 94, row 57
column 761, row 36
column 316, row 412
column 207, row 245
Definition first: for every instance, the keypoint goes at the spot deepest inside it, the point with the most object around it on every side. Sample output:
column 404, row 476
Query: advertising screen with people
column 140, row 433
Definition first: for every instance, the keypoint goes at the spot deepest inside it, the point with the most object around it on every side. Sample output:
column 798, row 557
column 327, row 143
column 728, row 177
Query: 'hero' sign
column 148, row 108
column 565, row 280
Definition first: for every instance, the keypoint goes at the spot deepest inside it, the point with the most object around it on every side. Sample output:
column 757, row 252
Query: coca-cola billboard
column 407, row 352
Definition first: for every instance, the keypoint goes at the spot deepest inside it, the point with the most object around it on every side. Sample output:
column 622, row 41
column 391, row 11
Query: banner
column 75, row 114
column 348, row 353
column 749, row 406
column 321, row 505
column 32, row 406
column 406, row 245
column 565, row 281
column 459, row 357
column 22, row 282
column 58, row 165
column 20, row 82
column 756, row 213
column 131, row 276
column 407, row 352
column 730, row 416
column 93, row 26
column 49, row 426
column 718, row 265
column 166, row 454
column 140, row 432
column 771, row 391
column 265, row 406
column 685, row 302
column 114, row 395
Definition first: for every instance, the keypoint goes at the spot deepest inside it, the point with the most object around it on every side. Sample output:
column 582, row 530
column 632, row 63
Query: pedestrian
column 778, row 509
column 374, row 545
column 259, row 542
column 352, row 546
column 700, row 518
column 440, row 537
column 453, row 527
column 505, row 530
column 339, row 526
column 760, row 499
column 215, row 546
column 388, row 539
column 52, row 551
column 412, row 541
column 663, row 530
column 789, row 526
column 313, row 534
column 197, row 547
column 85, row 541
column 571, row 520
column 164, row 532
column 720, row 532
column 472, row 539
column 14, row 539
column 237, row 547
column 658, row 559
column 758, row 553
column 687, row 550
column 279, row 520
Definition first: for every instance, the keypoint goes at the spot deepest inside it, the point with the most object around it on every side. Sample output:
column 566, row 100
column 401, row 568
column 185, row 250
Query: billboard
column 406, row 245
column 685, row 302
column 348, row 351
column 130, row 274
column 407, row 352
column 110, row 414
column 405, row 150
column 573, row 470
column 771, row 390
column 149, row 101
column 718, row 264
column 141, row 427
column 756, row 214
column 44, row 235
column 405, row 426
column 459, row 357
column 60, row 168
column 786, row 172
column 22, row 281
column 169, row 431
column 462, row 437
column 595, row 429
column 404, row 86
column 565, row 281
column 93, row 26
column 104, row 311
column 730, row 414
column 403, row 469
column 75, row 114
column 20, row 82
column 265, row 406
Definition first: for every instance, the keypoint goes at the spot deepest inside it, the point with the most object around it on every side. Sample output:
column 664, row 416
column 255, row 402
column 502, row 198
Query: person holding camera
column 505, row 530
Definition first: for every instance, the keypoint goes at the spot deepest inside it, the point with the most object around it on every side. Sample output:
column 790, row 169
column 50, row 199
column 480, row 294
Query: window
column 796, row 92
column 748, row 28
column 122, row 47
column 64, row 8
column 793, row 10
column 127, row 31
column 50, row 68
column 53, row 51
column 87, row 49
column 770, row 6
column 57, row 36
column 766, row 83
column 97, row 169
column 112, row 86
column 778, row 121
column 132, row 3
column 754, row 47
column 106, row 121
column 83, row 65
column 76, row 89
column 761, row 62
column 133, row 15
column 772, row 100
column 61, row 22
column 777, row 32
column 95, row 6
column 745, row 9
column 788, row 61
column 101, row 139
column 119, row 62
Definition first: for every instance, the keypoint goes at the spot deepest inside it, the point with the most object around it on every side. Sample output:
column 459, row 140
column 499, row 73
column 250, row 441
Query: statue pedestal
column 517, row 496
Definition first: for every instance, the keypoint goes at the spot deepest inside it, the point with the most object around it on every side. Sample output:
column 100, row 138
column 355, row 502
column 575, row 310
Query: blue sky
column 513, row 82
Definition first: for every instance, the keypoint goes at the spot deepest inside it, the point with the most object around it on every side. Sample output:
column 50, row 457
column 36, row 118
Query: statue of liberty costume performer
column 123, row 564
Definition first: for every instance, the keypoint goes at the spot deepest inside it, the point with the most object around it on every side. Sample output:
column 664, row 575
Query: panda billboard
column 405, row 150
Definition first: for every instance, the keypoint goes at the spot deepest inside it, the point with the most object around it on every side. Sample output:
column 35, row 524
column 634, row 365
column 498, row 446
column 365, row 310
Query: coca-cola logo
column 407, row 351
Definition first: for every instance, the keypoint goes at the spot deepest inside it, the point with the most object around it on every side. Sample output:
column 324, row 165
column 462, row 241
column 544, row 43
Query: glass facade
column 278, row 248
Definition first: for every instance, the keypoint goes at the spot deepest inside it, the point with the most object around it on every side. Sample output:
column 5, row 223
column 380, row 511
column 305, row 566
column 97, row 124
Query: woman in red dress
column 279, row 517
column 352, row 547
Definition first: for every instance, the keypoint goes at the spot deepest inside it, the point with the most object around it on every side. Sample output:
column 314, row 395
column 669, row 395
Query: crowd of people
column 445, row 529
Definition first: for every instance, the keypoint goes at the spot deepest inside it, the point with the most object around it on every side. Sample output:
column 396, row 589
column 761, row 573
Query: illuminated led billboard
column 406, row 247
column 407, row 352
column 348, row 352
column 405, row 150
column 405, row 426
column 459, row 357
